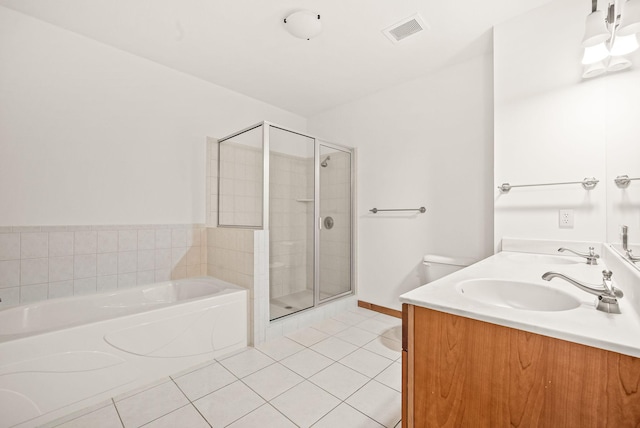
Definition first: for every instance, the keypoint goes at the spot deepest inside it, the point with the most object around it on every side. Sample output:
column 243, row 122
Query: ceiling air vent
column 405, row 28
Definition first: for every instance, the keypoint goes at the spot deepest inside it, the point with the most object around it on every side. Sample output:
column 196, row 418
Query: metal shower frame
column 317, row 219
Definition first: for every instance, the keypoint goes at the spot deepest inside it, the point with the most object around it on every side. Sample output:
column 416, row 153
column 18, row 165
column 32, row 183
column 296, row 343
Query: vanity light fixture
column 609, row 36
column 303, row 24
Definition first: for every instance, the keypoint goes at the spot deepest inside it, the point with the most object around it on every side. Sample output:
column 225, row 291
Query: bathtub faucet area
column 607, row 294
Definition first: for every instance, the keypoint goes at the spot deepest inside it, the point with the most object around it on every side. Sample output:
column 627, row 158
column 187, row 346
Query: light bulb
column 595, row 53
column 623, row 45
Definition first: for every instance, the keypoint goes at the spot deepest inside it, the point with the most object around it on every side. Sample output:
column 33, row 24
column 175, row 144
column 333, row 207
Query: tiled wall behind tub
column 45, row 262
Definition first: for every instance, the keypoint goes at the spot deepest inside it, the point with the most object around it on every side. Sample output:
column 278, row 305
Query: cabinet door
column 468, row 373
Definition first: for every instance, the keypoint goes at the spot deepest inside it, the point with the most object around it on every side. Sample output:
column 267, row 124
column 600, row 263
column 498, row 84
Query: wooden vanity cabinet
column 460, row 372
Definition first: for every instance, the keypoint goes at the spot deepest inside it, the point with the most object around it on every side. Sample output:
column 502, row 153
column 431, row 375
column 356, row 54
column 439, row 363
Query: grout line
column 277, row 410
column 165, row 414
column 201, row 415
column 362, row 413
column 283, row 392
column 117, row 411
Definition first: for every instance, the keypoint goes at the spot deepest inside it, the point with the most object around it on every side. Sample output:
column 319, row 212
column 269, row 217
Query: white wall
column 426, row 142
column 552, row 126
column 92, row 135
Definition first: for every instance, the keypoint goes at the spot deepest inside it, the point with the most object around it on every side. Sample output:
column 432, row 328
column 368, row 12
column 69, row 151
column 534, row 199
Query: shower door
column 310, row 221
column 291, row 221
column 334, row 214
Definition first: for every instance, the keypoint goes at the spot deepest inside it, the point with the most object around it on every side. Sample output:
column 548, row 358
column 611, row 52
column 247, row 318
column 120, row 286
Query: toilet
column 437, row 266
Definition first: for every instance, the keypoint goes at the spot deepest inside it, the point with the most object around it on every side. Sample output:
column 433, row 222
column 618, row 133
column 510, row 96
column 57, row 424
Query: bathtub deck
column 342, row 372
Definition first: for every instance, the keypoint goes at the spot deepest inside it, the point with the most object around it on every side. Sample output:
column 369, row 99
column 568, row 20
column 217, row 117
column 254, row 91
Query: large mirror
column 553, row 125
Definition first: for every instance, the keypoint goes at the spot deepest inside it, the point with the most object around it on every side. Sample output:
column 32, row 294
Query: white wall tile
column 107, row 241
column 9, row 246
column 84, row 286
column 84, row 266
column 146, row 239
column 106, row 283
column 193, row 256
column 33, row 293
column 163, row 238
column 145, row 277
column 193, row 271
column 178, row 238
column 127, row 261
column 34, row 271
column 9, row 273
column 60, row 244
column 162, row 275
column 146, row 260
column 163, row 258
column 9, row 296
column 60, row 268
column 89, row 254
column 127, row 240
column 60, row 289
column 107, row 264
column 194, row 237
column 85, row 242
column 179, row 272
column 179, row 256
column 127, row 280
column 34, row 245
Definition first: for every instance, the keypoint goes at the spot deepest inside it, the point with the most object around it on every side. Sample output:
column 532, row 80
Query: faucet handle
column 608, row 286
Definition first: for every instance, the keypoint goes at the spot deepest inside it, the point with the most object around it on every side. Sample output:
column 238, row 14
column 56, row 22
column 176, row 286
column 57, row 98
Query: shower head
column 324, row 162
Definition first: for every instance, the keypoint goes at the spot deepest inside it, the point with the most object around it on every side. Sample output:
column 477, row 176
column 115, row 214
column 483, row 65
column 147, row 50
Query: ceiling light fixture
column 609, row 36
column 303, row 24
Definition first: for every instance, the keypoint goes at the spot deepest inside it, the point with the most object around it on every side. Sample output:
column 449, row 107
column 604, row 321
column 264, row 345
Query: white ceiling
column 242, row 44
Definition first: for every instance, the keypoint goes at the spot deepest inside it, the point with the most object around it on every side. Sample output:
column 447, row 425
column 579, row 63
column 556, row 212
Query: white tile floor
column 342, row 372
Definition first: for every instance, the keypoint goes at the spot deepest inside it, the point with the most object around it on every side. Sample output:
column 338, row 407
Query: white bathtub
column 61, row 355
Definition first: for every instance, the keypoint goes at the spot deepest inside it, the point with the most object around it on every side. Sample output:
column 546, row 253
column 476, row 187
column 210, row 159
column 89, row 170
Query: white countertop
column 584, row 324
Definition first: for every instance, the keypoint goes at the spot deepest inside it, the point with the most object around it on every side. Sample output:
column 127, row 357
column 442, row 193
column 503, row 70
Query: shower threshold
column 290, row 303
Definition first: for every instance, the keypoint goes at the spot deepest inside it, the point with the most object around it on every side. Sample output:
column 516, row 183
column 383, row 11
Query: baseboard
column 381, row 309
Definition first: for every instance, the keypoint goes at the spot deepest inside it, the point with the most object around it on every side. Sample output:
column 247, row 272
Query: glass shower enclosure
column 301, row 189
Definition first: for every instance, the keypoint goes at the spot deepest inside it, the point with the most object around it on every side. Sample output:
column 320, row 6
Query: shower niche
column 299, row 191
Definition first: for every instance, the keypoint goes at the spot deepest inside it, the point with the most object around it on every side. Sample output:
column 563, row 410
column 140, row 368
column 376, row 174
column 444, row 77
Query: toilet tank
column 438, row 266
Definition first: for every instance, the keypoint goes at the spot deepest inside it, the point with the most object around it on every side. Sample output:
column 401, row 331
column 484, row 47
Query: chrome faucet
column 631, row 257
column 625, row 245
column 591, row 256
column 607, row 294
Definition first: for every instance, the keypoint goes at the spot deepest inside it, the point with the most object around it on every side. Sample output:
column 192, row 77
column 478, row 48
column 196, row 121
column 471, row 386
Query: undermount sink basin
column 545, row 259
column 517, row 295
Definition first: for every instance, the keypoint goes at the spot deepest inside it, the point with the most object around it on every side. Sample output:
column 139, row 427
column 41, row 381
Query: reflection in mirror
column 623, row 154
column 631, row 254
column 551, row 125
